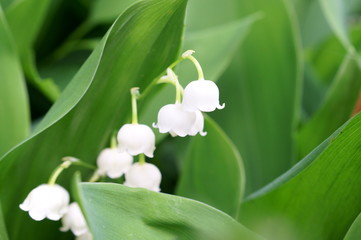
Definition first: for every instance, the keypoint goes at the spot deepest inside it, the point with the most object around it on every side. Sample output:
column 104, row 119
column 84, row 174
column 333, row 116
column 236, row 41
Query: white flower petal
column 201, row 95
column 198, row 125
column 50, row 201
column 74, row 220
column 85, row 236
column 136, row 139
column 144, row 175
column 173, row 118
column 113, row 163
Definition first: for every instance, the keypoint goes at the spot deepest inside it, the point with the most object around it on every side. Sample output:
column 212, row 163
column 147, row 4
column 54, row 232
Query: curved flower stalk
column 143, row 175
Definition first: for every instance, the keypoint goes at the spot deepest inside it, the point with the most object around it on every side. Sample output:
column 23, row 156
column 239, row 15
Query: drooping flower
column 136, row 139
column 143, row 175
column 74, row 220
column 173, row 118
column 113, row 163
column 202, row 95
column 46, row 201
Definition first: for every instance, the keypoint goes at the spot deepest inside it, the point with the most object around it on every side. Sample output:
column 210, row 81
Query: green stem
column 113, row 141
column 58, row 171
column 68, row 161
column 141, row 159
column 95, row 177
column 135, row 94
column 197, row 65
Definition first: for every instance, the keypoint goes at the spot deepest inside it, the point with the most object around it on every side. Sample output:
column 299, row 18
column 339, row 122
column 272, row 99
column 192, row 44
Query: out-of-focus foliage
column 203, row 172
column 288, row 71
column 14, row 111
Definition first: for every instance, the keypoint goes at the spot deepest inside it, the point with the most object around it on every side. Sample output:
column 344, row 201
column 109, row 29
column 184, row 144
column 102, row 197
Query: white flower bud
column 113, row 163
column 173, row 118
column 74, row 220
column 201, row 95
column 85, row 236
column 143, row 175
column 136, row 139
column 46, row 201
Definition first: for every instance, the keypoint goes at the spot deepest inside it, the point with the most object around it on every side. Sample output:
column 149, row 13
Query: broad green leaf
column 14, row 109
column 336, row 110
column 115, row 212
column 317, row 199
column 215, row 48
column 262, row 89
column 213, row 171
column 354, row 232
column 25, row 20
column 138, row 48
column 3, row 234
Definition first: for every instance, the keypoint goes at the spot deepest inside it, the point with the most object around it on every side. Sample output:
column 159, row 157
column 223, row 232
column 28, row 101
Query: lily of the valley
column 202, row 95
column 74, row 220
column 113, row 163
column 143, row 175
column 46, row 201
column 136, row 139
column 176, row 120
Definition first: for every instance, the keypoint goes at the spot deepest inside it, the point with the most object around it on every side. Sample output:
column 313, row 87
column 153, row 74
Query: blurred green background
column 288, row 71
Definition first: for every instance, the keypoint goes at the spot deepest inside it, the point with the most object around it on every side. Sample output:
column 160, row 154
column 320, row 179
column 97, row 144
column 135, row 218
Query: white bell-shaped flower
column 113, row 163
column 46, row 201
column 173, row 118
column 202, row 95
column 143, row 175
column 85, row 236
column 136, row 139
column 74, row 220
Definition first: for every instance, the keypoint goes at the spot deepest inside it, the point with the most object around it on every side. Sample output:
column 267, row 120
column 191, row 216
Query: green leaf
column 25, row 20
column 354, row 232
column 336, row 109
column 317, row 199
column 336, row 14
column 215, row 48
column 213, row 171
column 3, row 234
column 313, row 24
column 263, row 90
column 106, row 11
column 14, row 109
column 137, row 49
column 142, row 214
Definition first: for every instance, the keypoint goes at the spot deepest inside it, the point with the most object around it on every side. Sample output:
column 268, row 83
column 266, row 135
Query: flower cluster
column 182, row 118
column 51, row 201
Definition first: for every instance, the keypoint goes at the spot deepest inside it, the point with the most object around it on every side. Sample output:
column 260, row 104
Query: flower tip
column 134, row 90
column 221, row 106
column 188, row 53
column 154, row 125
column 203, row 133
